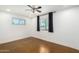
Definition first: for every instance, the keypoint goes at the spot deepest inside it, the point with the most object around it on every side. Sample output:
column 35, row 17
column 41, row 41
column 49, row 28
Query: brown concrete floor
column 34, row 45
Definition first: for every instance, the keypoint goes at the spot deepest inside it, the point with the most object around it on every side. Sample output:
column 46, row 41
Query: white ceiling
column 21, row 9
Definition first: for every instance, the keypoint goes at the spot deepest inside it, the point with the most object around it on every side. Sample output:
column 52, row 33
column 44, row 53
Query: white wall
column 9, row 32
column 66, row 28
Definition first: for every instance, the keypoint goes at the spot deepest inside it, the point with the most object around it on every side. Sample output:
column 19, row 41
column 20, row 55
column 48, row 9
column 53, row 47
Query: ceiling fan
column 34, row 8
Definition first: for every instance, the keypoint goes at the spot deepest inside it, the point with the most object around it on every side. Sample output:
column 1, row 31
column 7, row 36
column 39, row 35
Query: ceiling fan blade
column 38, row 11
column 30, row 6
column 38, row 7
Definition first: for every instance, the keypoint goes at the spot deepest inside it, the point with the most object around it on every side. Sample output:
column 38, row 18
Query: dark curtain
column 38, row 24
column 50, row 22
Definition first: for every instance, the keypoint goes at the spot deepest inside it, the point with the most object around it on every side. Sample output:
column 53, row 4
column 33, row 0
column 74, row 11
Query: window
column 18, row 21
